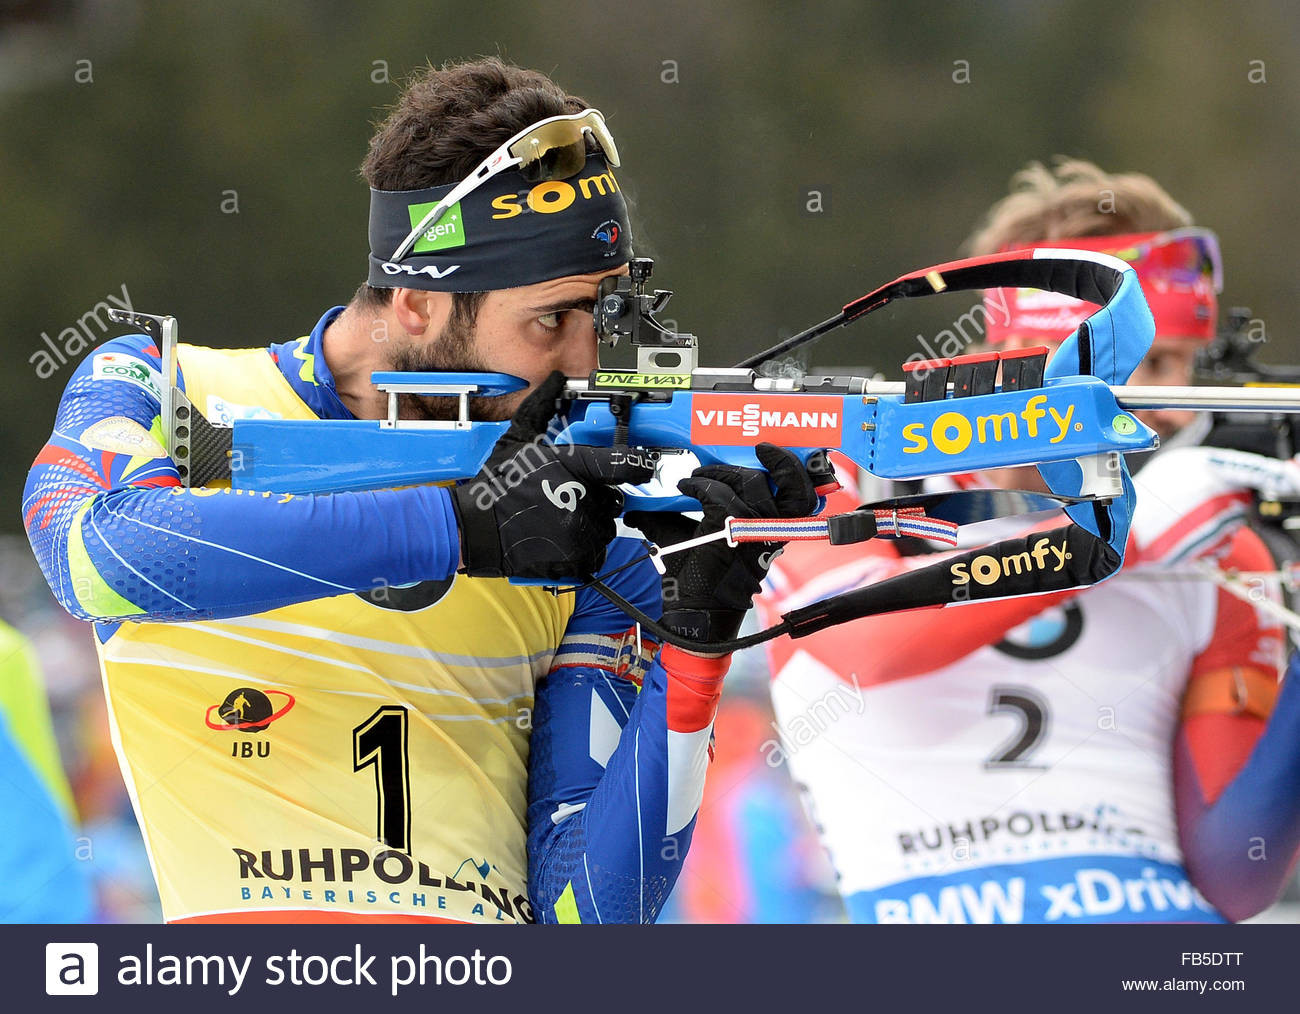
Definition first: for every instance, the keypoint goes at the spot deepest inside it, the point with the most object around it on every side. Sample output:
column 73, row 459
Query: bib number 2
column 1031, row 708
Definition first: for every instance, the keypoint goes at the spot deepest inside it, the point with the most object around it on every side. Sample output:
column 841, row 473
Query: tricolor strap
column 912, row 521
column 897, row 522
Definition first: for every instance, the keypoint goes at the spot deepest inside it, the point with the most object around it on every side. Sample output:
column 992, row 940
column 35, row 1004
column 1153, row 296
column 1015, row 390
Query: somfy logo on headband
column 492, row 239
column 555, row 195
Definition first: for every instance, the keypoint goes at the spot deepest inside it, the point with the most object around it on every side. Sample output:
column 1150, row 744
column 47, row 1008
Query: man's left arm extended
column 619, row 750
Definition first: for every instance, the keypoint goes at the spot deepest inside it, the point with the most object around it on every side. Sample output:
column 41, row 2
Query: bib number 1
column 381, row 741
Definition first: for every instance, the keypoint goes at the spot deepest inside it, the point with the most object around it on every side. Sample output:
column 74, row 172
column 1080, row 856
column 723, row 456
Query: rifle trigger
column 620, row 407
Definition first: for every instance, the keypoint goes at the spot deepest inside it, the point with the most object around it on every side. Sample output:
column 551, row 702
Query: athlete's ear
column 417, row 311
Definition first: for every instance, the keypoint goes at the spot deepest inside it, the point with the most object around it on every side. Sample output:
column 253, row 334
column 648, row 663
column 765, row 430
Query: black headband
column 504, row 234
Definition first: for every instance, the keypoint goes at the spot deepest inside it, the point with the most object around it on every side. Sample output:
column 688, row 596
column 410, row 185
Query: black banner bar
column 732, row 970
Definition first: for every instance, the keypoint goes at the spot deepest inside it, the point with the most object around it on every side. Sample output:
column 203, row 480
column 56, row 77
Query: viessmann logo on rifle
column 729, row 419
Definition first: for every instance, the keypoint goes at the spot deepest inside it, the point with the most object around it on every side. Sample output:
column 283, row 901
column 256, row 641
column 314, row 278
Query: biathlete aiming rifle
column 1071, row 417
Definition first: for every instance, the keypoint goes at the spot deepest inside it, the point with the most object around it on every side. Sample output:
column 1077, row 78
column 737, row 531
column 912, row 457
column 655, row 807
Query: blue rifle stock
column 1070, row 418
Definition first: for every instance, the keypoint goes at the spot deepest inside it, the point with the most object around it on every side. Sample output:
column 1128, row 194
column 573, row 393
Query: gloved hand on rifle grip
column 709, row 588
column 536, row 510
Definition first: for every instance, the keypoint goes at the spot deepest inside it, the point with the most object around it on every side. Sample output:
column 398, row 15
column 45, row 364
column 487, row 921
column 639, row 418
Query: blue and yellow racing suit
column 316, row 717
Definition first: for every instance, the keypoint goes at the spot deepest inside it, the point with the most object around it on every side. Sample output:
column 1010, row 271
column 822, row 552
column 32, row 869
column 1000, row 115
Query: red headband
column 1180, row 272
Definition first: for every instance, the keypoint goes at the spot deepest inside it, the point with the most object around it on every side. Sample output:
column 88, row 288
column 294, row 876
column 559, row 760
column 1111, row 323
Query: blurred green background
column 908, row 118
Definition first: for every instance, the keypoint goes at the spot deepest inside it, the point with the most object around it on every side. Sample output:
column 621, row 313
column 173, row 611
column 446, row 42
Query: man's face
column 1168, row 364
column 527, row 331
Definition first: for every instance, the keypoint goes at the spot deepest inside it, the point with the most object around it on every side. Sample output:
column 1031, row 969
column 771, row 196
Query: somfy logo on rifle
column 566, row 495
column 987, row 569
column 953, row 432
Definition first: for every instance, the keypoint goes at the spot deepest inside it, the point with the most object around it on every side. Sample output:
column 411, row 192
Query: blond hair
column 1074, row 198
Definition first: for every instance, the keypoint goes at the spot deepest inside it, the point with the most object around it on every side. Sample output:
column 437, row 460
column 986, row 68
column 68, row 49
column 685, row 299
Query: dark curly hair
column 446, row 121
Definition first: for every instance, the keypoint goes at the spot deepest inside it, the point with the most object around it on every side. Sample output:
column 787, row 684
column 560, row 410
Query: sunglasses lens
column 1188, row 258
column 1185, row 256
column 539, row 161
column 553, row 150
column 1211, row 260
column 556, row 151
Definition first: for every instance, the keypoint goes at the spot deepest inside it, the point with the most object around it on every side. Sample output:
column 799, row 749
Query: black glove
column 708, row 589
column 540, row 511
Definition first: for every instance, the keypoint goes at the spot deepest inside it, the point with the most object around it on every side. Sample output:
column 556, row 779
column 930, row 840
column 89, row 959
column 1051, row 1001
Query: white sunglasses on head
column 551, row 149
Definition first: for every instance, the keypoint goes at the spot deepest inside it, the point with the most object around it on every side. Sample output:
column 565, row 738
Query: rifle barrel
column 1267, row 398
column 1211, row 399
column 1197, row 399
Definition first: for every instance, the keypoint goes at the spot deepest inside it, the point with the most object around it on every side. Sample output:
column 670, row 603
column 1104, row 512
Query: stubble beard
column 454, row 351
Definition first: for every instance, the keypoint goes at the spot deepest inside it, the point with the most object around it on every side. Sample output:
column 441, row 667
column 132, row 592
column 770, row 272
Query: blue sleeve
column 620, row 747
column 1241, row 850
column 118, row 538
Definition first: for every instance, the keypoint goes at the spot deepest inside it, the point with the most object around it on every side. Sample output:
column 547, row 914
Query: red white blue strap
column 776, row 530
column 912, row 521
column 904, row 521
